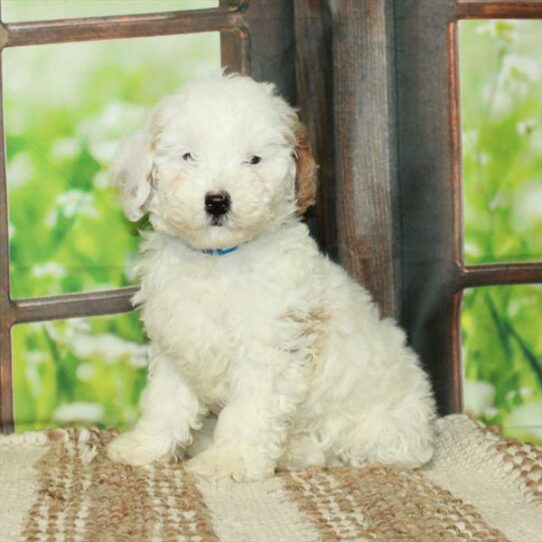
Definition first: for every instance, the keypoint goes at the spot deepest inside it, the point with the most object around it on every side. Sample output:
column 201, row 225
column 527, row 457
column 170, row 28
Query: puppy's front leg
column 169, row 410
column 253, row 427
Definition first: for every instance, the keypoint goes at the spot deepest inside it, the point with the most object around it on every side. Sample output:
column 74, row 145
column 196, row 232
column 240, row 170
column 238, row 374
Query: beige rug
column 59, row 486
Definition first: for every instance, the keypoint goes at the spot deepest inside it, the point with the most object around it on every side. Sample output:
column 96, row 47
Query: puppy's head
column 218, row 163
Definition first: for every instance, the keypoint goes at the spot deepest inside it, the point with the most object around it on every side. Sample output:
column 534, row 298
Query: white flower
column 526, row 391
column 479, row 396
column 535, row 142
column 469, row 140
column 496, row 28
column 65, row 148
column 72, row 203
column 514, row 307
column 110, row 348
column 49, row 269
column 103, row 151
column 104, row 131
column 527, row 206
column 85, row 372
column 527, row 417
column 530, row 128
column 514, row 81
column 526, row 127
column 34, row 380
column 472, row 249
column 63, row 331
column 499, row 201
column 101, row 180
column 79, row 412
column 35, row 357
column 20, row 170
column 520, row 66
column 114, row 114
column 482, row 158
column 490, row 412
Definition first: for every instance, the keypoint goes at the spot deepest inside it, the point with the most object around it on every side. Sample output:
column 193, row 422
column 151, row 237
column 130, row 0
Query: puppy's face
column 218, row 163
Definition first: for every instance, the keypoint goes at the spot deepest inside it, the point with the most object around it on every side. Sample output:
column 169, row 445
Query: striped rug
column 59, row 486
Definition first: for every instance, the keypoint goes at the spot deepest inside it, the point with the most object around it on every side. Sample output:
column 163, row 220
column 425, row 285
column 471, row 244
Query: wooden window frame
column 256, row 38
column 386, row 129
column 432, row 295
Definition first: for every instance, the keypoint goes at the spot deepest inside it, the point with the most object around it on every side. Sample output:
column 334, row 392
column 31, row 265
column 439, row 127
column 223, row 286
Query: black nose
column 217, row 203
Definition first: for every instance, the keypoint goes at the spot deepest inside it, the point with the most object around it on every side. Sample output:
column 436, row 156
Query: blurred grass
column 79, row 372
column 501, row 107
column 60, row 141
column 68, row 106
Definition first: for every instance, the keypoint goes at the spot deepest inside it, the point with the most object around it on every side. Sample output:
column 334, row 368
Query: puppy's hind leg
column 170, row 410
column 403, row 439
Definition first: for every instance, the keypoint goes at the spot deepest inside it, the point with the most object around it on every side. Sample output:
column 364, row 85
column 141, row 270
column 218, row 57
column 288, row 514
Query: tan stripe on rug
column 477, row 488
column 525, row 461
column 386, row 503
column 83, row 496
column 315, row 492
column 184, row 514
column 44, row 515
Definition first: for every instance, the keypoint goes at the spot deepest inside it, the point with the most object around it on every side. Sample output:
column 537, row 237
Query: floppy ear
column 305, row 180
column 132, row 173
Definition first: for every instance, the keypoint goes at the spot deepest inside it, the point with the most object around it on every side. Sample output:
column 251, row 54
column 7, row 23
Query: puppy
column 247, row 320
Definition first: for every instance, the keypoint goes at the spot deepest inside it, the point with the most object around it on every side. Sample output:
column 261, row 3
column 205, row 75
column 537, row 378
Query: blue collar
column 218, row 251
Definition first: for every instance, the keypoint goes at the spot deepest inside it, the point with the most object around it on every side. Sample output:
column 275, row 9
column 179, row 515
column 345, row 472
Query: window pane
column 66, row 109
column 502, row 357
column 40, row 10
column 501, row 109
column 78, row 372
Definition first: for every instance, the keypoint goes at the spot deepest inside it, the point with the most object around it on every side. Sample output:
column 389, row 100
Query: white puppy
column 246, row 318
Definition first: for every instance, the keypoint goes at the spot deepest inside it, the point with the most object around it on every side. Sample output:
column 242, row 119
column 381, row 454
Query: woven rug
column 59, row 486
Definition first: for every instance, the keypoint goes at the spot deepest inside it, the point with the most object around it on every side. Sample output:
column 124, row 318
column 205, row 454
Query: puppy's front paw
column 238, row 464
column 137, row 448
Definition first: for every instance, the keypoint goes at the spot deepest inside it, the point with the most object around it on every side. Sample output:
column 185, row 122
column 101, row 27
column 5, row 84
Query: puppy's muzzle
column 217, row 204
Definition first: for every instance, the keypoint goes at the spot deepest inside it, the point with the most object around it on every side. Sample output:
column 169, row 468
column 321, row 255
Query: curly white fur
column 276, row 340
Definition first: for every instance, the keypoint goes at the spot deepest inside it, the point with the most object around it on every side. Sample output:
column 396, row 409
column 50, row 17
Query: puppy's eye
column 187, row 156
column 255, row 160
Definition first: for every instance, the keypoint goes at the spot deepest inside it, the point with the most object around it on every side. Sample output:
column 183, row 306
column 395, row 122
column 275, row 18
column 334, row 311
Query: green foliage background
column 66, row 109
column 68, row 106
column 501, row 105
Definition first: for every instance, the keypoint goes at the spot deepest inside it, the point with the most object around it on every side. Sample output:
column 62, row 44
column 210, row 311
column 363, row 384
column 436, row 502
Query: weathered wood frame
column 385, row 124
column 434, row 273
column 256, row 37
column 376, row 81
